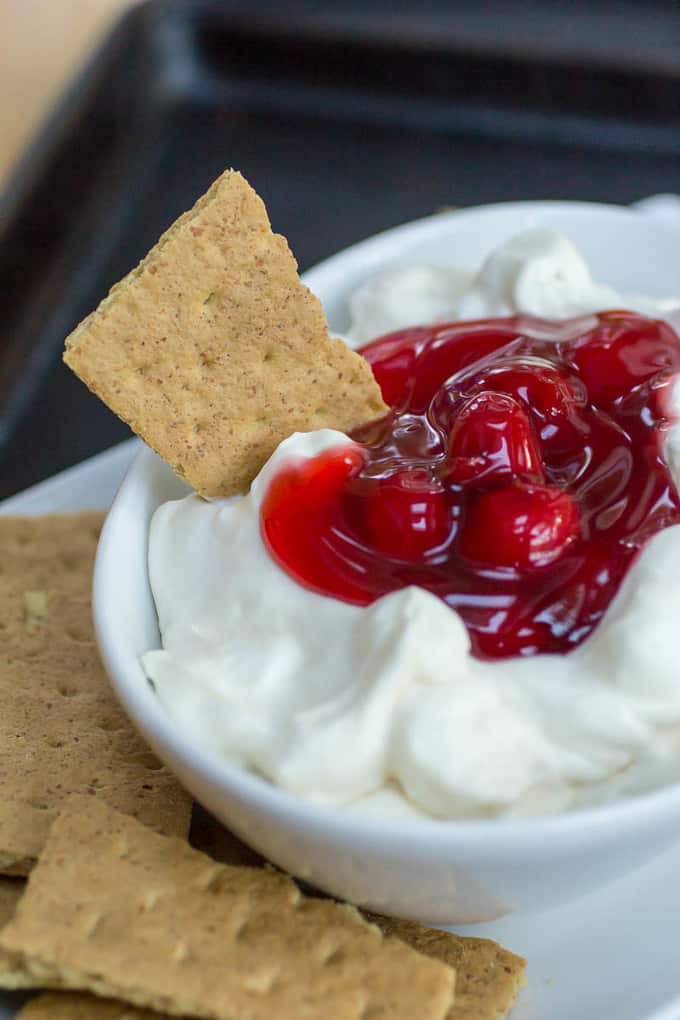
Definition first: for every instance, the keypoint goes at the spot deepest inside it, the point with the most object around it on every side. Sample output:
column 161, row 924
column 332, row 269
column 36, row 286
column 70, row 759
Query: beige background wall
column 42, row 43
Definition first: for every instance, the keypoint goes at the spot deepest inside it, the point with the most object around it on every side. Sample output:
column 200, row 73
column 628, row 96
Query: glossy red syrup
column 517, row 476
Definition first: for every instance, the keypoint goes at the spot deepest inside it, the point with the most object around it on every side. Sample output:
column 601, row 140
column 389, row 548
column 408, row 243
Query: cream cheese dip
column 383, row 708
column 538, row 273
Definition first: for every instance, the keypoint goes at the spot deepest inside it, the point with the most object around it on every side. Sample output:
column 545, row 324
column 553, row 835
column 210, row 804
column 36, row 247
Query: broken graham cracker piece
column 14, row 976
column 116, row 909
column 61, row 728
column 42, row 558
column 213, row 351
column 488, row 977
column 80, row 1006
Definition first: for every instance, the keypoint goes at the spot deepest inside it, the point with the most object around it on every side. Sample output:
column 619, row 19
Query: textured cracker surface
column 115, row 908
column 61, row 729
column 213, row 351
column 488, row 977
column 207, row 835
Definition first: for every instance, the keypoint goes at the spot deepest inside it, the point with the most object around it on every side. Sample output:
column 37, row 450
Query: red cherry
column 407, row 515
column 450, row 351
column 623, row 351
column 551, row 398
column 521, row 526
column 492, row 440
column 393, row 360
column 302, row 501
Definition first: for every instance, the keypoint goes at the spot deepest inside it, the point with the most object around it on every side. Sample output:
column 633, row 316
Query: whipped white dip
column 383, row 708
column 537, row 273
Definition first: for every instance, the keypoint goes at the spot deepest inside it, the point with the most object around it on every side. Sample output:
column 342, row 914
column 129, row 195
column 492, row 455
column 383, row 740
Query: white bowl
column 436, row 871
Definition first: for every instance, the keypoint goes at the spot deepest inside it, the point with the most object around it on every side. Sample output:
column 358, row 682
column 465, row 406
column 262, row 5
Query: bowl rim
column 438, row 223
column 514, row 835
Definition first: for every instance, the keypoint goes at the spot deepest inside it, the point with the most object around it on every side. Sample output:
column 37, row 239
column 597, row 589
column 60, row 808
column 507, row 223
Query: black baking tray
column 347, row 119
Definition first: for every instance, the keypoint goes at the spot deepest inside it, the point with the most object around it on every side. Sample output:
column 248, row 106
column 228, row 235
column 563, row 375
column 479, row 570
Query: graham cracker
column 488, row 977
column 213, row 351
column 61, row 728
column 116, row 909
column 76, row 1006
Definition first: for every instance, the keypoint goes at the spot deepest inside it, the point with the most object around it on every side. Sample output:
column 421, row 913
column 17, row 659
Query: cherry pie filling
column 518, row 475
